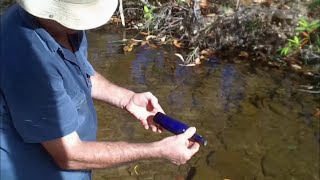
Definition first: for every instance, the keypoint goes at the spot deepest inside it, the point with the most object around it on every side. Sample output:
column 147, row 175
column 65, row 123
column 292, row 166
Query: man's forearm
column 106, row 91
column 70, row 152
column 95, row 155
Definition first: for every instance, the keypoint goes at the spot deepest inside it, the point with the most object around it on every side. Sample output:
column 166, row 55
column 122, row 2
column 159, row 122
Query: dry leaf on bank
column 144, row 33
column 150, row 37
column 176, row 43
column 187, row 65
column 180, row 56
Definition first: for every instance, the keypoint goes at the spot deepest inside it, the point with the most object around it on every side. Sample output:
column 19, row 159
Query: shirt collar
column 33, row 24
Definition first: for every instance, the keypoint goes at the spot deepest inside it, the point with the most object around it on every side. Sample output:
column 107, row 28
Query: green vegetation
column 148, row 13
column 293, row 44
column 181, row 1
column 308, row 38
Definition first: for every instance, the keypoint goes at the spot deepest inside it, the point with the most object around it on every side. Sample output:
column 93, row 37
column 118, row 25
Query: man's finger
column 154, row 102
column 153, row 127
column 194, row 148
column 189, row 132
column 145, row 125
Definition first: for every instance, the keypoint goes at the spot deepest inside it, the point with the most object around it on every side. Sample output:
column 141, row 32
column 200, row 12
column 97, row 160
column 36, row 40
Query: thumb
column 189, row 133
column 155, row 103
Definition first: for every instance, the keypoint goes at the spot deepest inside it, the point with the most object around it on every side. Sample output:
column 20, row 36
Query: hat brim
column 77, row 16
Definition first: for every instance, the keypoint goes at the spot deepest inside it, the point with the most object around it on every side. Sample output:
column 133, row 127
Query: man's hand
column 179, row 149
column 144, row 106
column 141, row 105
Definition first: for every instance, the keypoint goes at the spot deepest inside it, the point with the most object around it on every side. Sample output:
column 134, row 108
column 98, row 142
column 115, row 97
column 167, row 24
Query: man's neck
column 58, row 32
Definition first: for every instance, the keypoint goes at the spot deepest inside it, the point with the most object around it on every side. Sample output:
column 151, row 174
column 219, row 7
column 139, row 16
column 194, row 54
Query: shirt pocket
column 78, row 98
column 88, row 72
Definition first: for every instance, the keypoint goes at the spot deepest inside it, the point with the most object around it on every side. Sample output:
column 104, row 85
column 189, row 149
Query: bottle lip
column 205, row 142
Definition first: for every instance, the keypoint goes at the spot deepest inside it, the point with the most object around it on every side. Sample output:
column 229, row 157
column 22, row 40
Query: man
column 48, row 121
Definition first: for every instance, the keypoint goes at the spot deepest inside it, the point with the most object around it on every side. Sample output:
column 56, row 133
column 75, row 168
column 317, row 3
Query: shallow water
column 258, row 124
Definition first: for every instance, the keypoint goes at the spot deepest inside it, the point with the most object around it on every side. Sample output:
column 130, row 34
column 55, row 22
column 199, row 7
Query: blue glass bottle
column 176, row 127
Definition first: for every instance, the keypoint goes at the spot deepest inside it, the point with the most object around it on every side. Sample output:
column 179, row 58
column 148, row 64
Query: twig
column 192, row 55
column 159, row 4
column 310, row 91
column 121, row 13
column 238, row 4
column 197, row 10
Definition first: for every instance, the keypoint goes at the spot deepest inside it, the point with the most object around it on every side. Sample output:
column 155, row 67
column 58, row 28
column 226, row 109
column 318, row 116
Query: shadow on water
column 258, row 124
column 145, row 58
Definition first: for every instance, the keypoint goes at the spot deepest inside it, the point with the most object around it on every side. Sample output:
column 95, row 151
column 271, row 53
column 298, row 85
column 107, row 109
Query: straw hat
column 73, row 14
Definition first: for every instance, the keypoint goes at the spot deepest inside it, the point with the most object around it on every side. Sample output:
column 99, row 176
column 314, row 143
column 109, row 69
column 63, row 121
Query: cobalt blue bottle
column 176, row 127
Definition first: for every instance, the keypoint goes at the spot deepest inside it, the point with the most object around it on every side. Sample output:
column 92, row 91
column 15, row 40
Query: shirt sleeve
column 39, row 105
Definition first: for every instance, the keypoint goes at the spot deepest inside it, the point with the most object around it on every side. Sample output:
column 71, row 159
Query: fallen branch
column 121, row 13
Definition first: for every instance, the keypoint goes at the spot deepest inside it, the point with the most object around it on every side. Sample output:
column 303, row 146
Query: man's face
column 55, row 28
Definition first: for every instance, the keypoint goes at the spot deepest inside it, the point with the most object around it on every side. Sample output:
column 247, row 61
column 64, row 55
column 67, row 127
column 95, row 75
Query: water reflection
column 232, row 88
column 144, row 58
column 259, row 126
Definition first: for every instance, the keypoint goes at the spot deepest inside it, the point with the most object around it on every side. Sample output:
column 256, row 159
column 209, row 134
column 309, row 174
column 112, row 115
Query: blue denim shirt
column 45, row 93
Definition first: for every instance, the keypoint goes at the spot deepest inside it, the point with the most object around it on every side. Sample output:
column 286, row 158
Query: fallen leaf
column 176, row 43
column 188, row 65
column 136, row 40
column 163, row 39
column 243, row 54
column 180, row 56
column 127, row 49
column 135, row 169
column 144, row 33
column 134, row 43
column 197, row 60
column 211, row 15
column 150, row 37
column 305, row 34
column 144, row 43
column 115, row 20
column 207, row 52
column 296, row 67
column 204, row 4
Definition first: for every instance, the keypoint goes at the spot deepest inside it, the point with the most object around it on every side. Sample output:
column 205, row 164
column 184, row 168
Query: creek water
column 258, row 124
